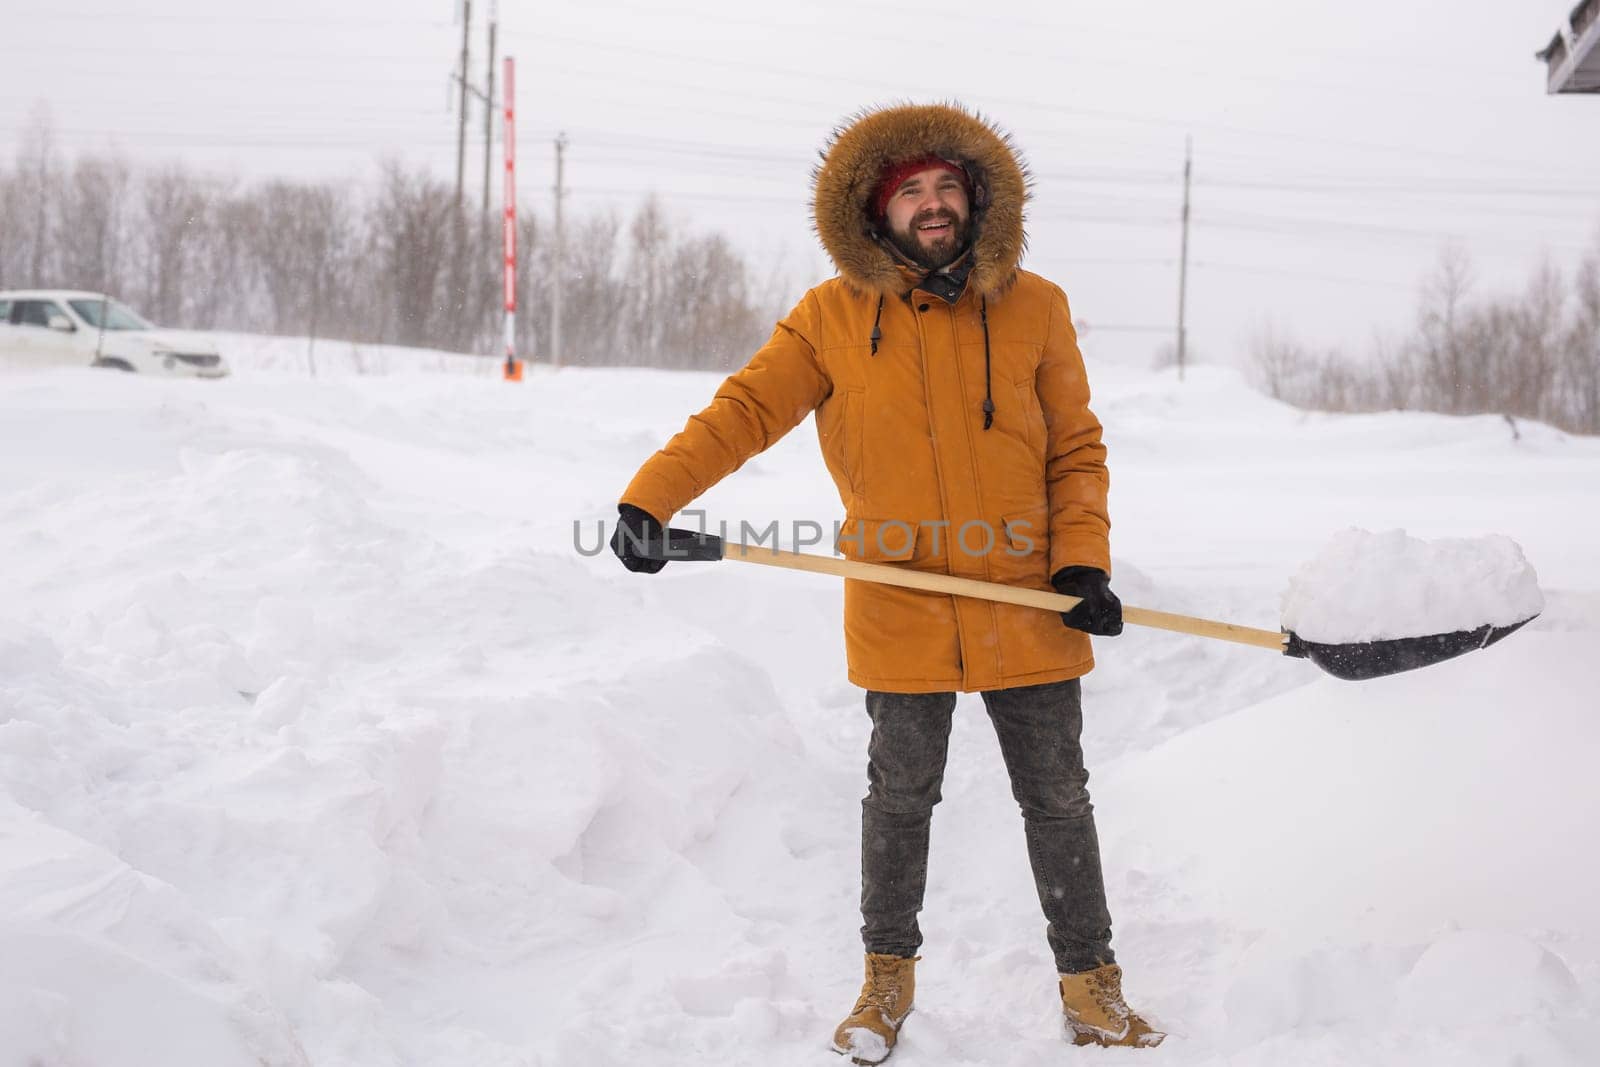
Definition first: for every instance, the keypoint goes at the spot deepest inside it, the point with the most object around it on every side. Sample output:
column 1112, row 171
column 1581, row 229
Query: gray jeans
column 1038, row 727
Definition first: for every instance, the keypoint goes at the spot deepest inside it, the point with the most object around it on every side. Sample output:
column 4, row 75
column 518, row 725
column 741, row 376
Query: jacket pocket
column 854, row 432
column 1032, row 416
column 879, row 540
column 1023, row 548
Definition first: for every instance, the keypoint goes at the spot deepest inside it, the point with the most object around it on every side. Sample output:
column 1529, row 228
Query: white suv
column 67, row 328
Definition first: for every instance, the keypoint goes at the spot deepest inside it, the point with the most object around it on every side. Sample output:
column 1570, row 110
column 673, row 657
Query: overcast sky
column 1338, row 145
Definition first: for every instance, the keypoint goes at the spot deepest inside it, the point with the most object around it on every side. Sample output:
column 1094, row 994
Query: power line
column 1205, row 221
column 1433, row 189
column 1149, row 177
column 53, row 61
column 1118, row 261
column 876, row 84
column 1279, row 272
column 613, row 147
column 319, row 20
column 1118, row 116
column 799, row 199
column 1292, row 224
column 1144, row 32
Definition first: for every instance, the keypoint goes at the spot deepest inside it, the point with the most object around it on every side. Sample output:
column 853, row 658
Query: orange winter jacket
column 924, row 484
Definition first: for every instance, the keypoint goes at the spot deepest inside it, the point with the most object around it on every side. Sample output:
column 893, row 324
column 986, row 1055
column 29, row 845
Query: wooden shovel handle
column 1006, row 594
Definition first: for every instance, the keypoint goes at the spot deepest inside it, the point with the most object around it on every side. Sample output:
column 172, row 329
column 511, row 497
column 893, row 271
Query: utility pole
column 461, row 123
column 488, row 105
column 561, row 257
column 1183, row 261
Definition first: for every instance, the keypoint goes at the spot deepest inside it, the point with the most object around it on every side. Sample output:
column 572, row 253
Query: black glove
column 636, row 530
column 1100, row 612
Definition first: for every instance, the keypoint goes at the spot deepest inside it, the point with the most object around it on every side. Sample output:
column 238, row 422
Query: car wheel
column 114, row 364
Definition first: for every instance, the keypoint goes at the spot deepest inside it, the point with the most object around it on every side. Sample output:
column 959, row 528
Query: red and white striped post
column 508, row 231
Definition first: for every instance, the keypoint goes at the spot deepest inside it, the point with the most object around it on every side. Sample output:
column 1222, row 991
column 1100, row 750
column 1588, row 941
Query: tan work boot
column 1096, row 1014
column 868, row 1033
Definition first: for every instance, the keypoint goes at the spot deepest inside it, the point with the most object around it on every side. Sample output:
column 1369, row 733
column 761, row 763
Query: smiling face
column 928, row 217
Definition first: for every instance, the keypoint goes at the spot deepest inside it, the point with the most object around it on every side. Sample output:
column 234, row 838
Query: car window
column 30, row 313
column 5, row 311
column 117, row 316
column 36, row 312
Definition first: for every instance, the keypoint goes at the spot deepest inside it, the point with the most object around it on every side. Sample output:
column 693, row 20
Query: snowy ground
column 319, row 744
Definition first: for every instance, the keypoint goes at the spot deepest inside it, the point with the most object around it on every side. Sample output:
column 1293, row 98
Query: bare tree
column 10, row 223
column 409, row 229
column 594, row 301
column 1441, row 359
column 1579, row 375
column 25, row 257
column 1483, row 342
column 649, row 258
column 1527, row 384
column 711, row 320
column 217, row 287
column 1536, row 355
column 477, row 280
column 303, row 238
column 1278, row 363
column 403, row 265
column 533, row 289
column 1396, row 374
column 90, row 225
column 174, row 203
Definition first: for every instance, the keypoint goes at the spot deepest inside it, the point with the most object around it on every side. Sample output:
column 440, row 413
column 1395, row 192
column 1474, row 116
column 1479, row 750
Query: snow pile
column 319, row 743
column 1375, row 586
column 254, row 355
column 1503, row 976
column 1402, row 868
column 102, row 964
column 268, row 744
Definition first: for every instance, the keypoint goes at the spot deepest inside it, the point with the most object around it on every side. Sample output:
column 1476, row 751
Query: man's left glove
column 1100, row 612
column 637, row 528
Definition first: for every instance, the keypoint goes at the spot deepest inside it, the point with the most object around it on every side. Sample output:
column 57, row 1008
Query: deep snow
column 320, row 744
column 1364, row 586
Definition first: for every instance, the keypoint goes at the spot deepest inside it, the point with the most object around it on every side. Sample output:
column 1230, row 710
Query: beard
column 940, row 253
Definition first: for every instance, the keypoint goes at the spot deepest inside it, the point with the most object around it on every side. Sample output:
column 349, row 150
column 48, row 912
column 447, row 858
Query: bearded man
column 950, row 397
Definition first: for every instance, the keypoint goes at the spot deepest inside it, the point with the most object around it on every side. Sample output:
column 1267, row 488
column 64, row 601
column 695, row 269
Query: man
column 952, row 408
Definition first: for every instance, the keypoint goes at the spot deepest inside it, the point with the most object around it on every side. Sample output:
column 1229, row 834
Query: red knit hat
column 895, row 174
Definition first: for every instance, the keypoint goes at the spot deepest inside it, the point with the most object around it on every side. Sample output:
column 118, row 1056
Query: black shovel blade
column 1361, row 660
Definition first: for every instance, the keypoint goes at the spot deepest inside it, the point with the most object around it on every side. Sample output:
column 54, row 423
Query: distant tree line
column 1534, row 354
column 398, row 264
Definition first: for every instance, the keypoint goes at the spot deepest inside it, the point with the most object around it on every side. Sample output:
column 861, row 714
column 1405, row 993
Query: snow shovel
column 1355, row 661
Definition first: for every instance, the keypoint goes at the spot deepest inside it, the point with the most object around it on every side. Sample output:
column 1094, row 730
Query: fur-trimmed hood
column 843, row 184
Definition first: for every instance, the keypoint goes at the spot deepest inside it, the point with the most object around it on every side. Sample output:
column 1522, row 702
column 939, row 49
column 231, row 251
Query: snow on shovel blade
column 1361, row 660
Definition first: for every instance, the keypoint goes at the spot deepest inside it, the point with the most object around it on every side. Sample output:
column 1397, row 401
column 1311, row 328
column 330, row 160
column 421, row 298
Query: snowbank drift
column 319, row 744
column 1407, row 852
column 260, row 734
